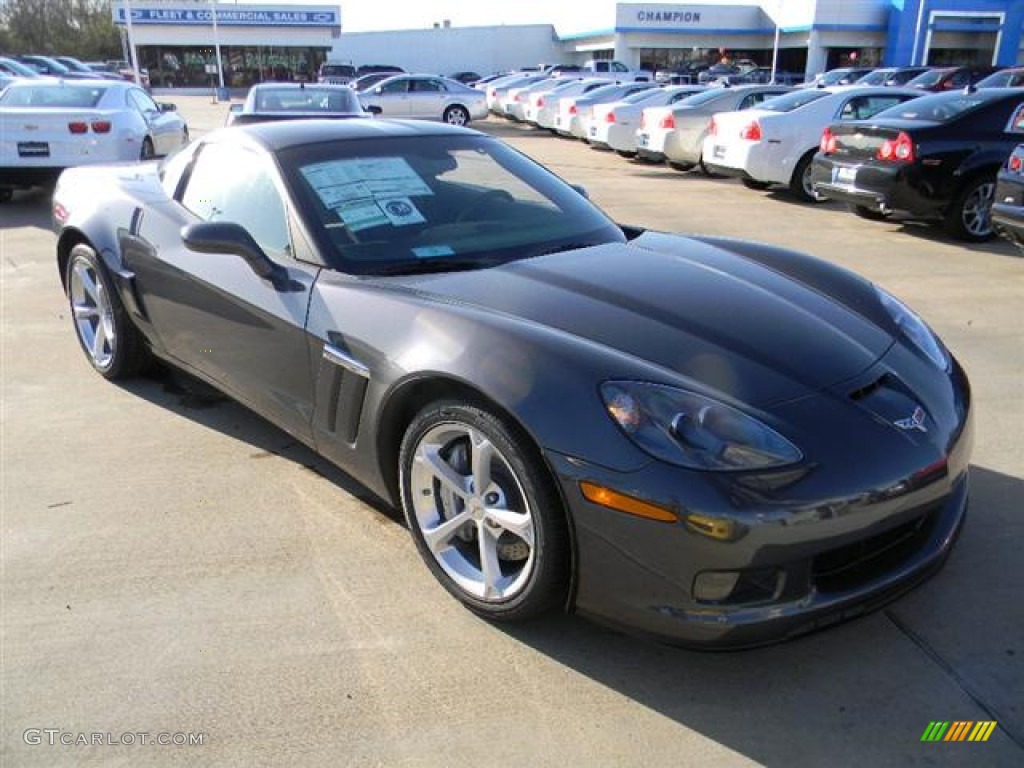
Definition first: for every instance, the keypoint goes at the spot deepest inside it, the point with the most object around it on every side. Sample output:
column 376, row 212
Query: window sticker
column 338, row 182
column 430, row 251
column 361, row 215
column 401, row 212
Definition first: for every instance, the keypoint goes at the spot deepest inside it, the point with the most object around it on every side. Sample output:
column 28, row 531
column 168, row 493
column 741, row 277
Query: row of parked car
column 33, row 66
column 923, row 147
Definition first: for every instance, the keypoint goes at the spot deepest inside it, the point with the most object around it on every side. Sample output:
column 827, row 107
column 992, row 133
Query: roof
column 276, row 136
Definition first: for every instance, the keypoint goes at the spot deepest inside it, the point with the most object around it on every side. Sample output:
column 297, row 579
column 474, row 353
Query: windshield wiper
column 434, row 265
column 563, row 247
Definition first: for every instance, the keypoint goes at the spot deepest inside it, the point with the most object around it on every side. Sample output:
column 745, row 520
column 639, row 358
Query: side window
column 396, row 86
column 230, row 183
column 173, row 168
column 863, row 107
column 431, row 86
column 141, row 101
column 750, row 100
column 617, row 67
column 959, row 80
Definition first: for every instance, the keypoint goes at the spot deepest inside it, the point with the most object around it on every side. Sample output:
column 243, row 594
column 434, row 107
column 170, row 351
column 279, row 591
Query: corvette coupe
column 709, row 441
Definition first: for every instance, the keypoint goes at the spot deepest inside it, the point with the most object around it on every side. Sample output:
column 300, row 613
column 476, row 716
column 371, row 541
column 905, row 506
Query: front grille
column 853, row 565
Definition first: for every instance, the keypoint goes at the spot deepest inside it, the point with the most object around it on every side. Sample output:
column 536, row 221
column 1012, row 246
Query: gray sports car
column 715, row 442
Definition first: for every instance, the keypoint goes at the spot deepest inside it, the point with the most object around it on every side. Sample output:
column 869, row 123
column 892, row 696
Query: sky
column 568, row 16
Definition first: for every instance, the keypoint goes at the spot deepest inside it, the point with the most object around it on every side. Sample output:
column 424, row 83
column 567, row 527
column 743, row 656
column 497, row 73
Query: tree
column 81, row 28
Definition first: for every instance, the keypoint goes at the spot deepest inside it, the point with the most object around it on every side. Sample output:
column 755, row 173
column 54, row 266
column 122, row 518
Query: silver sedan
column 426, row 97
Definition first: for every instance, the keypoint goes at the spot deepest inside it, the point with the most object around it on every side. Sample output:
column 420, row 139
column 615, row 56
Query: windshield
column 17, row 68
column 308, row 99
column 790, row 101
column 876, row 77
column 928, row 79
column 58, row 96
column 938, row 108
column 426, row 203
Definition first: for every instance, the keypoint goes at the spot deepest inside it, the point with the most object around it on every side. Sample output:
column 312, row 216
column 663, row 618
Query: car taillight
column 572, row 109
column 668, row 122
column 1016, row 163
column 60, row 213
column 751, row 131
column 78, row 127
column 519, row 97
column 712, row 127
column 609, row 117
column 540, row 102
column 828, row 142
column 643, row 120
column 898, row 150
column 101, row 126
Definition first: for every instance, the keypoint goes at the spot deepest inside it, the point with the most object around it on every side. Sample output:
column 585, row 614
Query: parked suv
column 337, row 74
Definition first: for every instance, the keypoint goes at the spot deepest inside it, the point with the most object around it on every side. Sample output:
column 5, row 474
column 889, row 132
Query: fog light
column 714, row 586
column 713, row 527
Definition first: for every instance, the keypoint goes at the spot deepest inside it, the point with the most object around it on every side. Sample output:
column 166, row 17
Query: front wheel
column 483, row 512
column 456, row 115
column 112, row 344
column 970, row 215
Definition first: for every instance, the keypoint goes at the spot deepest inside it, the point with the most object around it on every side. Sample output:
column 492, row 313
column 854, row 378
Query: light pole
column 775, row 46
column 216, row 46
column 132, row 59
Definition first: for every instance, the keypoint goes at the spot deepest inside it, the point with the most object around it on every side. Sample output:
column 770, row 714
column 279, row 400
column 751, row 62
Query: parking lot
column 172, row 564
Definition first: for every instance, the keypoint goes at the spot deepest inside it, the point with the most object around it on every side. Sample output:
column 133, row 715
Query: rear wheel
column 625, row 153
column 970, row 215
column 760, row 186
column 456, row 115
column 112, row 344
column 483, row 512
column 800, row 183
column 679, row 166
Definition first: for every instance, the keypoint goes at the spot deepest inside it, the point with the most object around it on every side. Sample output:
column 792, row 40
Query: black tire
column 754, row 184
column 456, row 115
column 6, row 194
column 148, row 151
column 800, row 183
column 111, row 342
column 707, row 171
column 625, row 153
column 681, row 167
column 538, row 569
column 871, row 214
column 970, row 215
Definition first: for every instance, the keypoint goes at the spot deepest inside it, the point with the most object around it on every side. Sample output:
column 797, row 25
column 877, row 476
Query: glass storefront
column 177, row 66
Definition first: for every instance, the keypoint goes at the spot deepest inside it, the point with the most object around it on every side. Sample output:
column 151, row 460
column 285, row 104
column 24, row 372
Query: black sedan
column 935, row 157
column 1008, row 207
column 711, row 441
column 294, row 101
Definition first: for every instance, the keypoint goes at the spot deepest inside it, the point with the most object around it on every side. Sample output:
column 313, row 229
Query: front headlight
column 694, row 431
column 915, row 329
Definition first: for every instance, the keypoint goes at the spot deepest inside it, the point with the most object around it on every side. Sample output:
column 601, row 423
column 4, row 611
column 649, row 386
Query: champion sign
column 234, row 16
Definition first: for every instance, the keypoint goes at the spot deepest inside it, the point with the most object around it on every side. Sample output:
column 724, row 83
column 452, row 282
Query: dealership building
column 176, row 39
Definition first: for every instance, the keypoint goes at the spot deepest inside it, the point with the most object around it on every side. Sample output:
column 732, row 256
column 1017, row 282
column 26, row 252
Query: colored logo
column 960, row 730
column 915, row 421
column 398, row 208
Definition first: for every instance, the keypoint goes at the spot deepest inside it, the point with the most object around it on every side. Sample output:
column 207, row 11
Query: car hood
column 693, row 309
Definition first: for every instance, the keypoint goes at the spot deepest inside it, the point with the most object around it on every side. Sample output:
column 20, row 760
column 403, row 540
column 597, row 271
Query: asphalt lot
column 174, row 564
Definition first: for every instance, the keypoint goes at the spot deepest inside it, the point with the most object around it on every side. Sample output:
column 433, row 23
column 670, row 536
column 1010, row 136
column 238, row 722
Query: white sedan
column 775, row 143
column 425, row 97
column 49, row 125
column 614, row 125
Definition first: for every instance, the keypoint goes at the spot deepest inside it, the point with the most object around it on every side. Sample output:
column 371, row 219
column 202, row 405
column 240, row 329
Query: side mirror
column 373, row 109
column 166, row 106
column 217, row 237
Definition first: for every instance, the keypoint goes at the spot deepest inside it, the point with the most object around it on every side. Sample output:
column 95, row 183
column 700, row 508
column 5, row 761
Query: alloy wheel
column 472, row 511
column 93, row 313
column 977, row 210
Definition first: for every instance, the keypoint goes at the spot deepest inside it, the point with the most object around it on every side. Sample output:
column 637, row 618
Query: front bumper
column 813, row 545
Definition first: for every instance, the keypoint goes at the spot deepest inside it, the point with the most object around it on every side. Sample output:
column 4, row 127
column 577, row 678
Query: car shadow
column 28, row 208
column 809, row 700
column 198, row 402
column 802, row 702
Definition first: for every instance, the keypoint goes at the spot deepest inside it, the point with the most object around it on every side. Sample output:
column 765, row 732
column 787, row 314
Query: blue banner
column 232, row 16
